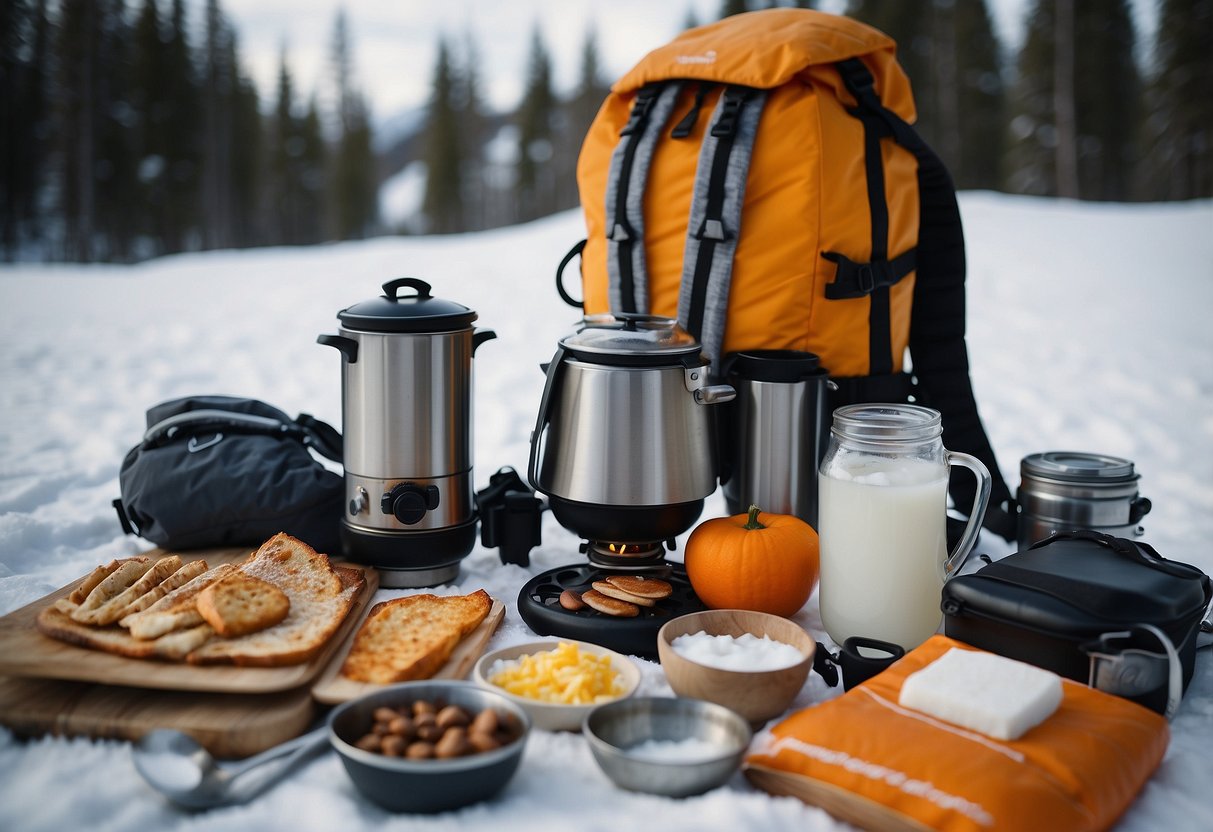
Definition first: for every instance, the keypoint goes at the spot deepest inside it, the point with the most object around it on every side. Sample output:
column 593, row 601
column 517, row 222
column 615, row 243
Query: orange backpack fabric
column 806, row 191
column 758, row 180
column 867, row 760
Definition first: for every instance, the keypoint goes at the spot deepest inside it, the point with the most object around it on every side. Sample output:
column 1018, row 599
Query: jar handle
column 978, row 512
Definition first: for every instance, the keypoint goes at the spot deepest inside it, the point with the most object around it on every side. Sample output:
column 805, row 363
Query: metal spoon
column 178, row 767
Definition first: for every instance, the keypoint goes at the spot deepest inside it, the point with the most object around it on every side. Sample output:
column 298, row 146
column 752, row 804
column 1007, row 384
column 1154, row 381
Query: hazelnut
column 368, row 742
column 453, row 743
column 486, row 722
column 450, row 716
column 393, row 745
column 384, row 714
column 482, row 741
column 419, row 751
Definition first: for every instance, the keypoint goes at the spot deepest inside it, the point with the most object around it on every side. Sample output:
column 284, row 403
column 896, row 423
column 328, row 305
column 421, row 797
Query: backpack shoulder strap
column 937, row 327
column 626, row 179
column 714, row 224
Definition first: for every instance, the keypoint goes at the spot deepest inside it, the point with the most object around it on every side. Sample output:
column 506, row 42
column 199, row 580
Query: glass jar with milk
column 882, row 491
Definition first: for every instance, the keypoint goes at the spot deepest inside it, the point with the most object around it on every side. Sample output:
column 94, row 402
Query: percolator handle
column 541, row 420
column 392, row 287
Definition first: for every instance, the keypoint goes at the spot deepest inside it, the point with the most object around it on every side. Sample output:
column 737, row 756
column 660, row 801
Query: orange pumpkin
column 741, row 563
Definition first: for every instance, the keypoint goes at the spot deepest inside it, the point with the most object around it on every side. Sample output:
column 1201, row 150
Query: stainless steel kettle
column 624, row 442
column 406, row 419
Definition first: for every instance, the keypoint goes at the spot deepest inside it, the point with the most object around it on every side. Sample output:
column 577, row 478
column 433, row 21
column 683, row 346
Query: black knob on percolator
column 408, row 502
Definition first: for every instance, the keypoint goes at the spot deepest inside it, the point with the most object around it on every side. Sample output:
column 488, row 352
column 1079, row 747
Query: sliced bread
column 412, row 637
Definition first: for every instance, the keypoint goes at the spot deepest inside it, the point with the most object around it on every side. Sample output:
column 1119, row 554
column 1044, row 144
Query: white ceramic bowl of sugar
column 757, row 693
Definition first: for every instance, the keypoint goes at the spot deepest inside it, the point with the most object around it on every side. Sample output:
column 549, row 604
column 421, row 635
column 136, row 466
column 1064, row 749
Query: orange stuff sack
column 869, row 761
column 758, row 179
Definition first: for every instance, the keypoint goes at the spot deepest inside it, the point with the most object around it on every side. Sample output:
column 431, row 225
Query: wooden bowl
column 757, row 695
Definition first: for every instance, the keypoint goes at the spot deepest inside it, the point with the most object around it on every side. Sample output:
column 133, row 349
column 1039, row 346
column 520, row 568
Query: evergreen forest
column 129, row 129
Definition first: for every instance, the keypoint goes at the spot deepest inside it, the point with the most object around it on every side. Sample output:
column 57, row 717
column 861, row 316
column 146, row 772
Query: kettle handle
column 392, row 288
column 541, row 420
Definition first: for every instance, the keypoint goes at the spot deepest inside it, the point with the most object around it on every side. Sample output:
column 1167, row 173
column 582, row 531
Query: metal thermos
column 779, row 430
column 1070, row 490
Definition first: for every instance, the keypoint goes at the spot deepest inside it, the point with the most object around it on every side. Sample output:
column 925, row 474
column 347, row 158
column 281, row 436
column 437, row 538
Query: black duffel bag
column 1103, row 610
column 226, row 471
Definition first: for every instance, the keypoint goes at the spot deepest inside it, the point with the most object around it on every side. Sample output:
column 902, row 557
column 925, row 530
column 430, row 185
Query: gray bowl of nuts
column 429, row 746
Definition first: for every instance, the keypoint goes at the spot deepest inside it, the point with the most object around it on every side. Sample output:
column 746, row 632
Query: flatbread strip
column 115, row 583
column 57, row 623
column 412, row 637
column 178, row 609
column 112, row 610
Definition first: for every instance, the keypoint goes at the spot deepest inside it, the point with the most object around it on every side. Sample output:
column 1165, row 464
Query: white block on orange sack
column 984, row 692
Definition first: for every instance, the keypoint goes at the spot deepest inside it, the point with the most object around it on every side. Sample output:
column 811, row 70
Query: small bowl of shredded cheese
column 558, row 682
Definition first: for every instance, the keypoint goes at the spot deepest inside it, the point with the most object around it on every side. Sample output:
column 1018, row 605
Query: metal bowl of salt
column 671, row 747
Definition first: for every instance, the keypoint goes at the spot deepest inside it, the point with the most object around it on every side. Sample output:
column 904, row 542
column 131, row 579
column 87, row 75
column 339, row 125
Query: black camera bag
column 1070, row 596
column 226, row 471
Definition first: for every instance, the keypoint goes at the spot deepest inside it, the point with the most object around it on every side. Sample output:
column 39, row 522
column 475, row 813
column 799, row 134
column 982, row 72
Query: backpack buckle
column 730, row 109
column 646, row 98
column 865, row 278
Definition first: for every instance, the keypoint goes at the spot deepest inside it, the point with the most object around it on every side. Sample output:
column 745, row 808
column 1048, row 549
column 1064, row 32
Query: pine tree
column 443, row 201
column 285, row 148
column 182, row 125
column 311, row 175
column 354, row 182
column 218, row 82
column 24, row 35
column 536, row 180
column 1180, row 123
column 477, row 195
column 248, row 224
column 580, row 110
column 150, row 104
column 729, row 8
column 1094, row 156
column 951, row 55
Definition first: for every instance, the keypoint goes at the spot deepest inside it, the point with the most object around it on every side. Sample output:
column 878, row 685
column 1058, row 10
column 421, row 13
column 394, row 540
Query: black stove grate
column 539, row 606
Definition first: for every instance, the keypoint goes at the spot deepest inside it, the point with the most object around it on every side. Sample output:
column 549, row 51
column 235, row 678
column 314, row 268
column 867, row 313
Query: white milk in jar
column 883, row 548
column 882, row 495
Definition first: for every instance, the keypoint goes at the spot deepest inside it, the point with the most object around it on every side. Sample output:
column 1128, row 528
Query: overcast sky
column 394, row 40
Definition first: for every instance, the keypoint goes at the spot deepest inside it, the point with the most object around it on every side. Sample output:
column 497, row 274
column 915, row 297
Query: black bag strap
column 191, row 424
column 937, row 327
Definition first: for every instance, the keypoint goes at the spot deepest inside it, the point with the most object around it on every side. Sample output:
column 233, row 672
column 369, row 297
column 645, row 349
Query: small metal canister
column 1069, row 490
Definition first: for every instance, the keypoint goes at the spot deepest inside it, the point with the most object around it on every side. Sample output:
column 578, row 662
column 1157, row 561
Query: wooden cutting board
column 333, row 688
column 24, row 651
column 233, row 712
column 227, row 725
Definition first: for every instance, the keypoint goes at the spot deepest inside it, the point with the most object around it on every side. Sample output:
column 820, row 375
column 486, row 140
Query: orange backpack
column 757, row 179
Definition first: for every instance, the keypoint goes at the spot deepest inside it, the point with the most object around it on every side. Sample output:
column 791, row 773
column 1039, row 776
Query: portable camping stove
column 539, row 599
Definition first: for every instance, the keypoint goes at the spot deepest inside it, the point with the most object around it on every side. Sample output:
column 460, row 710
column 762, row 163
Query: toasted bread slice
column 412, row 637
column 176, row 610
column 241, row 604
column 320, row 599
column 111, row 610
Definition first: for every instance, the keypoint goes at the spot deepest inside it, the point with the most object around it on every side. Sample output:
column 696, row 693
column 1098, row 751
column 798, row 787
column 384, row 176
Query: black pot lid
column 1078, row 467
column 626, row 337
column 395, row 312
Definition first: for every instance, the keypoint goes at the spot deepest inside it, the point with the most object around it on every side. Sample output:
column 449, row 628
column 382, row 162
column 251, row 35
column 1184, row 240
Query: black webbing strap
column 937, row 326
column 712, row 230
column 880, row 338
column 621, row 231
column 854, row 280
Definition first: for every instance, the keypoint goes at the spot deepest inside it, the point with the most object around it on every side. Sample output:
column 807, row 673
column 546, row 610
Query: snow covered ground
column 1089, row 329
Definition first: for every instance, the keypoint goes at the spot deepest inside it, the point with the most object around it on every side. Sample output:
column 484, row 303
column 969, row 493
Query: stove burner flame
column 633, row 556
